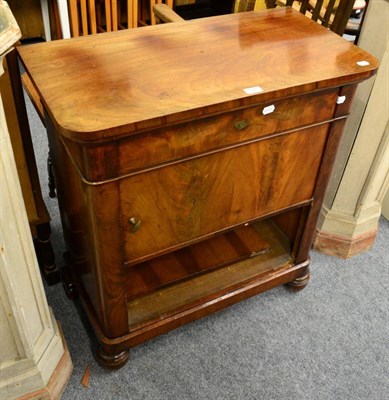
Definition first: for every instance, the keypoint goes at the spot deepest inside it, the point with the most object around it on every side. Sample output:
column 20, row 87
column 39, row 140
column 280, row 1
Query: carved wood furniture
column 191, row 161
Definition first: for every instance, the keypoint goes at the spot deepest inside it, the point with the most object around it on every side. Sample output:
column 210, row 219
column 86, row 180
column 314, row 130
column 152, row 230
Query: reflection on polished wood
column 186, row 50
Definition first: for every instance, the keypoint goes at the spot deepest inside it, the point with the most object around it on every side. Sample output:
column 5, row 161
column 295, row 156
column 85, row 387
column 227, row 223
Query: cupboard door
column 168, row 207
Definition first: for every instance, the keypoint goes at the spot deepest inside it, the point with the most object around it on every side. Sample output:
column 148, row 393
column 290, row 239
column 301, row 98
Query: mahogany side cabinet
column 191, row 160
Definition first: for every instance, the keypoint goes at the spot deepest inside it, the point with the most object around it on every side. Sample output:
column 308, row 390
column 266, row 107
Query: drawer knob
column 135, row 224
column 242, row 125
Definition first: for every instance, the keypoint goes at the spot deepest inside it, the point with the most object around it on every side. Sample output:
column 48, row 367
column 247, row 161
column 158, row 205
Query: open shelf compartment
column 188, row 277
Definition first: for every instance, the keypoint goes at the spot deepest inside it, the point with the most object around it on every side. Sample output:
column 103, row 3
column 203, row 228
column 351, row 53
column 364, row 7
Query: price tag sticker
column 253, row 90
column 268, row 109
column 341, row 99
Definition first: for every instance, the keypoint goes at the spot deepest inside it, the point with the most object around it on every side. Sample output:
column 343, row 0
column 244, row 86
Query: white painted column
column 348, row 221
column 46, row 20
column 64, row 18
column 31, row 347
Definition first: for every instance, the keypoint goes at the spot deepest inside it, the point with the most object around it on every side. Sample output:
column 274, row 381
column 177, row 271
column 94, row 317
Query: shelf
column 216, row 252
column 199, row 287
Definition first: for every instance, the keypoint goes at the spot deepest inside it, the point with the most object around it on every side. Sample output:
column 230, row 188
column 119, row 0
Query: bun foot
column 299, row 283
column 111, row 361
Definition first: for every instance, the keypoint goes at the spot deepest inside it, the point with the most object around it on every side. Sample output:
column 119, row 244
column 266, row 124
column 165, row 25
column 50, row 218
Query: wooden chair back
column 89, row 17
column 333, row 14
column 153, row 19
column 244, row 5
column 162, row 10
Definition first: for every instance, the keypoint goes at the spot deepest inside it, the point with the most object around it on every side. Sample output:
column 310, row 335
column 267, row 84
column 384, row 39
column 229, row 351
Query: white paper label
column 268, row 109
column 363, row 63
column 341, row 99
column 253, row 90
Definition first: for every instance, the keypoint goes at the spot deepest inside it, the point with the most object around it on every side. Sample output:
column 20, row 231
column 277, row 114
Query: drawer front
column 182, row 202
column 195, row 137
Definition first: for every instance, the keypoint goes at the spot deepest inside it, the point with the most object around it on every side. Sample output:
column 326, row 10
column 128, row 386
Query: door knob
column 135, row 224
column 241, row 125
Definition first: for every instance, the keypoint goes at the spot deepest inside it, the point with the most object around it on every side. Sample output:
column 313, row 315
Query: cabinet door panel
column 189, row 200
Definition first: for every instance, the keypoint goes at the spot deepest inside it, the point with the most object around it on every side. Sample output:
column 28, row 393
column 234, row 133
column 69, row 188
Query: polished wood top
column 103, row 86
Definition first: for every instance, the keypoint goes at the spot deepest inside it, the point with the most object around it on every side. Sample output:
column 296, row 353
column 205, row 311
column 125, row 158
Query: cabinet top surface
column 103, row 86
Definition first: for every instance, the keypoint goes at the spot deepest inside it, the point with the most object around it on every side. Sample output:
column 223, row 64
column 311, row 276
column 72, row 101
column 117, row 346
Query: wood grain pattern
column 106, row 238
column 92, row 235
column 105, row 161
column 146, row 78
column 198, row 197
column 153, row 148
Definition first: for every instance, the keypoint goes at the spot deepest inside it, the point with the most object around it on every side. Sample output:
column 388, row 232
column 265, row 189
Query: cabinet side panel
column 334, row 138
column 92, row 230
column 73, row 209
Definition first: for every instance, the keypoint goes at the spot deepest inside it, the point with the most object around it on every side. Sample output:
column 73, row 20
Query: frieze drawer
column 208, row 134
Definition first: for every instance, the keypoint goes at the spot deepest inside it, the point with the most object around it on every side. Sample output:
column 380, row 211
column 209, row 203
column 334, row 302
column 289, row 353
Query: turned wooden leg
column 51, row 177
column 45, row 253
column 111, row 361
column 299, row 283
column 68, row 281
